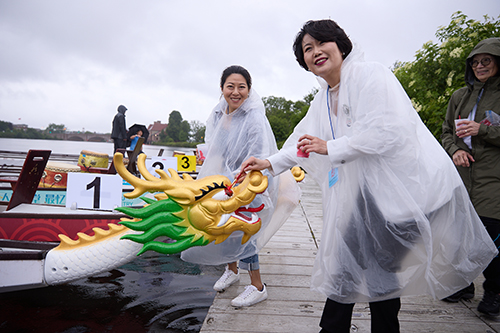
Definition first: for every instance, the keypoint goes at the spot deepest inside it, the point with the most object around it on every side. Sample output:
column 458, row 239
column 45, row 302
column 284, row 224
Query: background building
column 154, row 131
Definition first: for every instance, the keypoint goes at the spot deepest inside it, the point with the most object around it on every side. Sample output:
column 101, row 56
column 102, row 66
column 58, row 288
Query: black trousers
column 492, row 272
column 336, row 316
column 119, row 143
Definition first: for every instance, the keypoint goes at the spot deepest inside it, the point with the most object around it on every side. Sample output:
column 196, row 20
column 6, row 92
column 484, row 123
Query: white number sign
column 163, row 163
column 94, row 191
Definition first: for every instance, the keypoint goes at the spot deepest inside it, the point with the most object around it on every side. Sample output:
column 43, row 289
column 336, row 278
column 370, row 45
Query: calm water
column 153, row 293
column 75, row 147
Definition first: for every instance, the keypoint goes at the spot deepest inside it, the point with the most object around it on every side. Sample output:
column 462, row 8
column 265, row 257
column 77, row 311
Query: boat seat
column 9, row 179
column 132, row 157
column 24, row 187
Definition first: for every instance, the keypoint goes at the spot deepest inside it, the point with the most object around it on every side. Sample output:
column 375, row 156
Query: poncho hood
column 356, row 54
column 122, row 109
column 240, row 132
column 253, row 102
column 490, row 46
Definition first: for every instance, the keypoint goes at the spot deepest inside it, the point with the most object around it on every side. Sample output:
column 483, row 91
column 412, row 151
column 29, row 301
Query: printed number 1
column 96, row 184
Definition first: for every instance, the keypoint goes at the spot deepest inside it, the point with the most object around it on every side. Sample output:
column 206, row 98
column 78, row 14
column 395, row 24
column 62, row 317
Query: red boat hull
column 47, row 229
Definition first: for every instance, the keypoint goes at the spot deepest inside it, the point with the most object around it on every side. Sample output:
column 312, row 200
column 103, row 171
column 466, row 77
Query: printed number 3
column 186, row 162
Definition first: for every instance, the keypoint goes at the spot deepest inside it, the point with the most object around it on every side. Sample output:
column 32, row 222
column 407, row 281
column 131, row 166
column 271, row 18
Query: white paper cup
column 201, row 151
column 458, row 122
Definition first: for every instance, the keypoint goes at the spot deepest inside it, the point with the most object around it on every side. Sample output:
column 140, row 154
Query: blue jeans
column 250, row 263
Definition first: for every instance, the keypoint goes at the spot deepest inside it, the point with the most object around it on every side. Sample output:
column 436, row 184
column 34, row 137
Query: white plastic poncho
column 231, row 139
column 398, row 221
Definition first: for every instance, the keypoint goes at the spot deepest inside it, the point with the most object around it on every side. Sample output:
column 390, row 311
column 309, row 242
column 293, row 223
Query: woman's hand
column 311, row 144
column 254, row 163
column 462, row 158
column 467, row 128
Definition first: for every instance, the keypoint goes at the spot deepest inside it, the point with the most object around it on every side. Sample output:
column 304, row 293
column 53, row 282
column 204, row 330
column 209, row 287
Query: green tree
column 284, row 115
column 197, row 133
column 184, row 133
column 7, row 130
column 6, row 126
column 438, row 69
column 53, row 128
column 177, row 129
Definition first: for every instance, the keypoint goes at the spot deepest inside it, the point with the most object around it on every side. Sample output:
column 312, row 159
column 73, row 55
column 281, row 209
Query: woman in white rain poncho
column 237, row 129
column 397, row 218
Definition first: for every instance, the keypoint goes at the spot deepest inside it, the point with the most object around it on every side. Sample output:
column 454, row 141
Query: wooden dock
column 286, row 266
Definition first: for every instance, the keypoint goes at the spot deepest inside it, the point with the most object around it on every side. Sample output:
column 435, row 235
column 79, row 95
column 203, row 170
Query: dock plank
column 286, row 265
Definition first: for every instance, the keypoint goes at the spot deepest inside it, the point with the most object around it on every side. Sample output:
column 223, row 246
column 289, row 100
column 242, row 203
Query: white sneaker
column 250, row 296
column 227, row 279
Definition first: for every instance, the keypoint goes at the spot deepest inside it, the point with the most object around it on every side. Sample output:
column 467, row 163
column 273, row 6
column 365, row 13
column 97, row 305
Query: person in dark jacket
column 119, row 132
column 474, row 145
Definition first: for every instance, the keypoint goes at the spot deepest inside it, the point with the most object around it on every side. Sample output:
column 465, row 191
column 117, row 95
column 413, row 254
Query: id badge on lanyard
column 333, row 174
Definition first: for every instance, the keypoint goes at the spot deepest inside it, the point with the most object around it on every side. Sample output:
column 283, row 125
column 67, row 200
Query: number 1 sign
column 94, row 191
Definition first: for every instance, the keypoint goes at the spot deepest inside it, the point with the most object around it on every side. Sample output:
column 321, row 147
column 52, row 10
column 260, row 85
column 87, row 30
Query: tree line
column 7, row 130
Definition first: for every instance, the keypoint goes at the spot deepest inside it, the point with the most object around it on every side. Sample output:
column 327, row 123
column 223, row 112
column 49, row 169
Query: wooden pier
column 286, row 266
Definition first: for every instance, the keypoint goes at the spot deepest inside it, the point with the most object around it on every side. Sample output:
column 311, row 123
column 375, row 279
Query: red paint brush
column 228, row 190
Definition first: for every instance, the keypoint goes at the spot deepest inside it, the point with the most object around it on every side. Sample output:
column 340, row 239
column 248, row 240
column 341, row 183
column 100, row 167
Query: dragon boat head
column 194, row 212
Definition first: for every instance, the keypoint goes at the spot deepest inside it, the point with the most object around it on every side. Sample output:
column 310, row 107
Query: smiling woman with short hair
column 397, row 219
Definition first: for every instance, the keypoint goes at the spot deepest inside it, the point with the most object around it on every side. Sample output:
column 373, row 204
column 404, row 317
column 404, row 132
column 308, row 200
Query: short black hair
column 235, row 69
column 323, row 31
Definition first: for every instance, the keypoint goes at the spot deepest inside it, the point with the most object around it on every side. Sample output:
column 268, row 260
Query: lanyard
column 333, row 174
column 473, row 112
column 329, row 113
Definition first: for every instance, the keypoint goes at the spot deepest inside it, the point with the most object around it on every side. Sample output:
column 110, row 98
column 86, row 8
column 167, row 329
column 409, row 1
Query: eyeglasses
column 485, row 62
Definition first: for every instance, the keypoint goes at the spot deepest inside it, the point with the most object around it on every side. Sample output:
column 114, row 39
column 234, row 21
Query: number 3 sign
column 186, row 163
column 181, row 163
column 94, row 191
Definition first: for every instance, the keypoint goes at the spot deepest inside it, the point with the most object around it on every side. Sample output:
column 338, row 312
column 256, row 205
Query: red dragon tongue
column 251, row 210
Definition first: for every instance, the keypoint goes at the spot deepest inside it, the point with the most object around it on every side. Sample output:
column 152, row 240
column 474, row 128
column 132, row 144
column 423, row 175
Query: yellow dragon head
column 186, row 210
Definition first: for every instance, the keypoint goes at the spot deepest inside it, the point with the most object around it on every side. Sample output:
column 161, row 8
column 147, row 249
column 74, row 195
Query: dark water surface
column 153, row 293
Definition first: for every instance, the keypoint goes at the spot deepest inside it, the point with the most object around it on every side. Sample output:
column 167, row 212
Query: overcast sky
column 73, row 62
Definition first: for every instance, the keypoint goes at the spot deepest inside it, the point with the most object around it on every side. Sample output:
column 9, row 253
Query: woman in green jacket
column 474, row 146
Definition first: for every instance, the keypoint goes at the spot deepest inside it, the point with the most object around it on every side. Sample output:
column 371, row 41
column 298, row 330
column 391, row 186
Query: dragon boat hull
column 22, row 264
column 43, row 223
column 30, row 233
